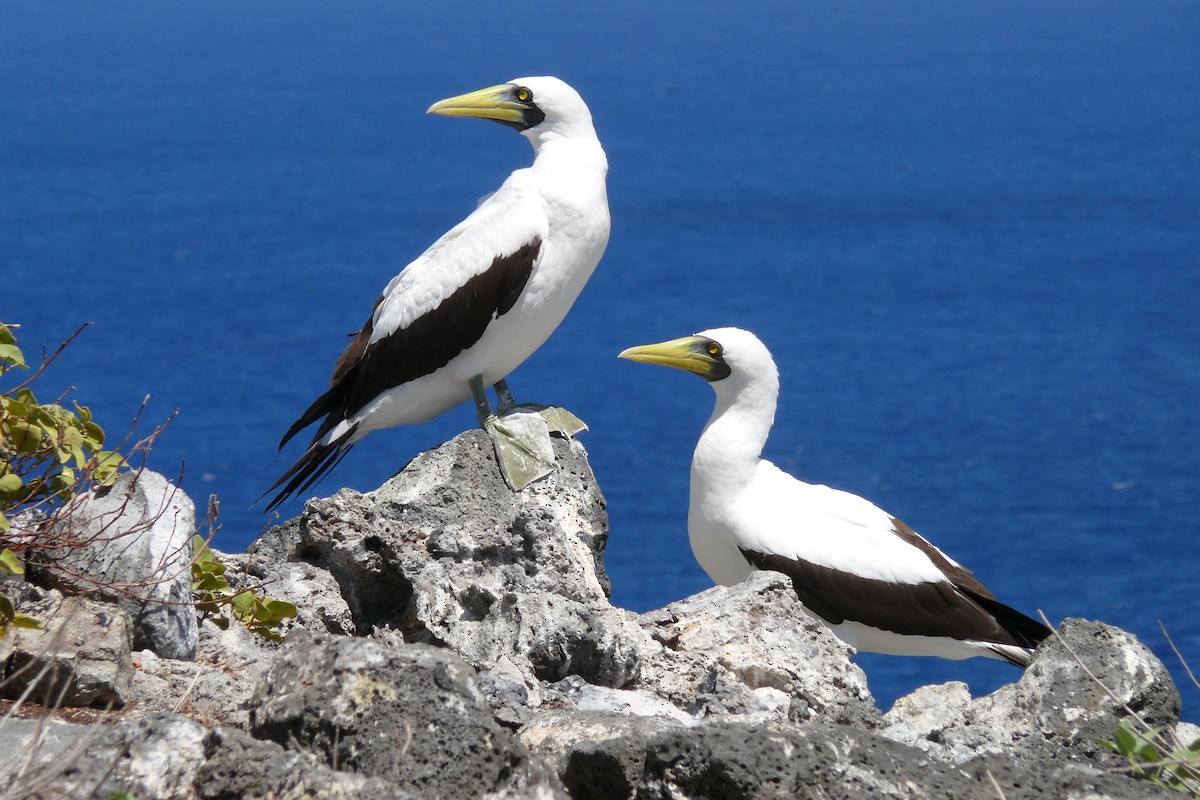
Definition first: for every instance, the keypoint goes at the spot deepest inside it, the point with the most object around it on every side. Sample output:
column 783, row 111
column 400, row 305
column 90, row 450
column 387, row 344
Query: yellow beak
column 494, row 102
column 691, row 353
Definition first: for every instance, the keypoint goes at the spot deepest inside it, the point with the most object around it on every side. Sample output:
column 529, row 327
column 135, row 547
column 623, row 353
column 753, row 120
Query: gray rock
column 751, row 649
column 445, row 553
column 213, row 691
column 410, row 714
column 35, row 749
column 318, row 599
column 1056, row 710
column 736, row 761
column 81, row 656
column 240, row 767
column 1036, row 779
column 132, row 542
column 449, row 515
column 157, row 757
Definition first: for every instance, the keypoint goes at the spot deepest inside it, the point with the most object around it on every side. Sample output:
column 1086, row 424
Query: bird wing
column 850, row 560
column 440, row 304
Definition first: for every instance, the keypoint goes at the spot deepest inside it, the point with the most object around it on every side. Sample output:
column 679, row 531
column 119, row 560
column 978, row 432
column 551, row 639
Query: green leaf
column 15, row 407
column 10, row 482
column 10, row 563
column 26, row 621
column 12, row 354
column 280, row 609
column 8, row 611
column 25, row 437
column 1125, row 738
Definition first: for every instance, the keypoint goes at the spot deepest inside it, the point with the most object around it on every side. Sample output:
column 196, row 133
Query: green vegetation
column 217, row 600
column 50, row 454
column 1153, row 754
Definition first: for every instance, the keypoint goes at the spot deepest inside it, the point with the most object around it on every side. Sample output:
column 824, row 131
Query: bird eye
column 714, row 349
column 523, row 94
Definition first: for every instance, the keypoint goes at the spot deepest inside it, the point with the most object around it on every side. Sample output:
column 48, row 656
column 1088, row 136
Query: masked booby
column 872, row 579
column 481, row 299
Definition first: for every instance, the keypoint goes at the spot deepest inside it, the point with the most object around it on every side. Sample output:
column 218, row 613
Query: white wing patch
column 505, row 221
column 783, row 516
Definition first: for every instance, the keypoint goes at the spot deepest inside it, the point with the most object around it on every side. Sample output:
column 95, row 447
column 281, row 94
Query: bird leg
column 558, row 419
column 521, row 440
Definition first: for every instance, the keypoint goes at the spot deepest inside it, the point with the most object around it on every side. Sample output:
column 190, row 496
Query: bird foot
column 559, row 420
column 523, row 449
column 562, row 421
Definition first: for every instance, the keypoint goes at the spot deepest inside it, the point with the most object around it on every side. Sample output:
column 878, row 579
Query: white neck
column 731, row 445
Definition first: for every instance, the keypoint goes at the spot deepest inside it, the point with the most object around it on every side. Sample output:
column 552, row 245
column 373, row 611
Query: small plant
column 1153, row 755
column 9, row 618
column 217, row 600
column 48, row 453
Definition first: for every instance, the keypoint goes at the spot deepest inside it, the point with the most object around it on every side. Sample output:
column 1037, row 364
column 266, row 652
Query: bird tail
column 1024, row 633
column 321, row 456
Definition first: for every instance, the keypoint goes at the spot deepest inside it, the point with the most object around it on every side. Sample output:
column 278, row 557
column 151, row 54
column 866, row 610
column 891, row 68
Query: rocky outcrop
column 79, row 657
column 455, row 639
column 132, row 543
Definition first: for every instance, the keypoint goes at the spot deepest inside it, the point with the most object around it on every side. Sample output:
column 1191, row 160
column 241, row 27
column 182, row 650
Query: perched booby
column 868, row 576
column 481, row 299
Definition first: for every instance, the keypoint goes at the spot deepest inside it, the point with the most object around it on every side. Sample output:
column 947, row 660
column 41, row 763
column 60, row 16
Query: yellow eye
column 523, row 94
column 714, row 349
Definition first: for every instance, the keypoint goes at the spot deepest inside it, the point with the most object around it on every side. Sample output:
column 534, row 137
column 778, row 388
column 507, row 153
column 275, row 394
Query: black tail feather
column 1025, row 631
column 317, row 460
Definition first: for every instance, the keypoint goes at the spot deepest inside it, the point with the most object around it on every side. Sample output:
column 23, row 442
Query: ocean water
column 969, row 233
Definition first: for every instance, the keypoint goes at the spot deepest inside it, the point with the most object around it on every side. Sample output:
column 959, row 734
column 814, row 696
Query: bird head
column 715, row 355
column 536, row 107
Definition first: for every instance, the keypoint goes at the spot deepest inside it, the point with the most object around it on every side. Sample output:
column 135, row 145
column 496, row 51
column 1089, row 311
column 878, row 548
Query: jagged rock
column 81, row 657
column 733, row 692
column 1037, row 779
column 156, row 757
column 240, row 767
column 446, row 553
column 320, row 607
column 752, row 649
column 35, row 748
column 736, row 760
column 136, row 534
column 1056, row 710
column 212, row 690
column 410, row 714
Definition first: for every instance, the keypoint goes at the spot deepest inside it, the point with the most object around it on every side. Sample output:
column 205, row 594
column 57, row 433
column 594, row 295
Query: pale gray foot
column 558, row 419
column 521, row 440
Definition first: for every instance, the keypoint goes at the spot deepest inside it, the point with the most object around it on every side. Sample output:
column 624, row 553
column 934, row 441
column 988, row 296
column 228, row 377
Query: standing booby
column 868, row 576
column 481, row 299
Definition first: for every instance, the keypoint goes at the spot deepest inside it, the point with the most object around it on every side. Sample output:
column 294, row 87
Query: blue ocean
column 968, row 232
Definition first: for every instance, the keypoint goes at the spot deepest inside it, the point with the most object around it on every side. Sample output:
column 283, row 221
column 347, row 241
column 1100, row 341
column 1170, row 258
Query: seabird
column 879, row 585
column 481, row 299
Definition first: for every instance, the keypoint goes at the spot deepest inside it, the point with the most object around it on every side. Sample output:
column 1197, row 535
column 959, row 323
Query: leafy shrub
column 217, row 600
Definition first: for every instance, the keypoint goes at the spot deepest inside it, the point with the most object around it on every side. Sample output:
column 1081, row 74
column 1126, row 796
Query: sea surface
column 969, row 232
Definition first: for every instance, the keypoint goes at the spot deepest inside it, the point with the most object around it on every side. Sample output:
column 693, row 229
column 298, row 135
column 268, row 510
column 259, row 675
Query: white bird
column 876, row 583
column 481, row 299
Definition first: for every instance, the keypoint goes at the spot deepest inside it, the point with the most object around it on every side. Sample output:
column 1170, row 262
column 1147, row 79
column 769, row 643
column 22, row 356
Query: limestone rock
column 1056, row 710
column 240, row 767
column 409, row 714
column 135, row 534
column 156, row 757
column 740, row 761
column 211, row 690
column 752, row 649
column 81, row 657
